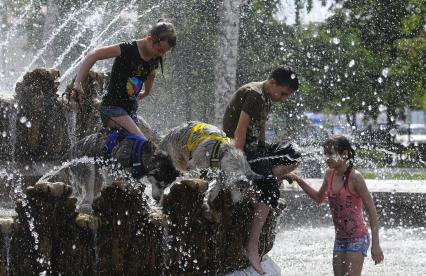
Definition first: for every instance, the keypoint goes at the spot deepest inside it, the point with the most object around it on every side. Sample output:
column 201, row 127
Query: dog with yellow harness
column 196, row 146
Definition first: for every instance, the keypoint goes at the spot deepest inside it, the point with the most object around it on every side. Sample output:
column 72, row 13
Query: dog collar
column 138, row 169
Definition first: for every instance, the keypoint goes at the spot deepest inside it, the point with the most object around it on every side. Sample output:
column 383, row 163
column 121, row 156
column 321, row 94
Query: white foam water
column 308, row 251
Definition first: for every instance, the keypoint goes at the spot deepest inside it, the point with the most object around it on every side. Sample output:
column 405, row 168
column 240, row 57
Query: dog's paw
column 88, row 221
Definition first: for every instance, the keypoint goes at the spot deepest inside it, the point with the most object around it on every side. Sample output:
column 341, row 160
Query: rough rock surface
column 125, row 235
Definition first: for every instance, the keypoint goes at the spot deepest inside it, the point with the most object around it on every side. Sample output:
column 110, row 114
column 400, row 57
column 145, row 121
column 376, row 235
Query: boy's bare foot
column 254, row 260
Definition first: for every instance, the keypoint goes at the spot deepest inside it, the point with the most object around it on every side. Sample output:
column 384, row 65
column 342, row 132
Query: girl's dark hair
column 284, row 75
column 340, row 143
column 164, row 31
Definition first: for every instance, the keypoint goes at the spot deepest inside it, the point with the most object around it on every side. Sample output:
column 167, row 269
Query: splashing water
column 302, row 250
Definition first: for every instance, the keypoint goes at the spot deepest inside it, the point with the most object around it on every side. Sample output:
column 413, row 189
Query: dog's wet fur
column 235, row 172
column 158, row 165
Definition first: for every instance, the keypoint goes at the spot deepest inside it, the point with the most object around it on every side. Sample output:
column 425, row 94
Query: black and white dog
column 152, row 162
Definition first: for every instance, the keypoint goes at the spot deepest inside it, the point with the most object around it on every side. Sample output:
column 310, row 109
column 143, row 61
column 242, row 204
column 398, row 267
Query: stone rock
column 41, row 129
column 202, row 246
column 88, row 120
column 85, row 176
column 125, row 235
column 37, row 126
column 45, row 230
column 8, row 115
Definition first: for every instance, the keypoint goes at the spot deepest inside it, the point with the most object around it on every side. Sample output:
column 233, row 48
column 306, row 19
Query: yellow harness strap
column 199, row 129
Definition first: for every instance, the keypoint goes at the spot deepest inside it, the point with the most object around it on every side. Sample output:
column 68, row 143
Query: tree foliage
column 368, row 57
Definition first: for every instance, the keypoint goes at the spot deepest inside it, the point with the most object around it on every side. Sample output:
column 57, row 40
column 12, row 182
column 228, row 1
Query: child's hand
column 77, row 93
column 290, row 177
column 377, row 254
column 142, row 95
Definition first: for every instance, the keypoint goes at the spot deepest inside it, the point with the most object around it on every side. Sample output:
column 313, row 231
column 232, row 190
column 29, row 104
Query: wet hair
column 164, row 31
column 340, row 143
column 284, row 75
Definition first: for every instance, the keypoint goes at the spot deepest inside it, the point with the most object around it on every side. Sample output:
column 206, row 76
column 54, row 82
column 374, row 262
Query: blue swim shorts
column 110, row 111
column 352, row 245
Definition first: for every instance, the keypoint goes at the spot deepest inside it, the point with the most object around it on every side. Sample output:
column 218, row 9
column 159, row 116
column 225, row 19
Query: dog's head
column 236, row 174
column 160, row 170
column 287, row 153
column 233, row 162
column 283, row 156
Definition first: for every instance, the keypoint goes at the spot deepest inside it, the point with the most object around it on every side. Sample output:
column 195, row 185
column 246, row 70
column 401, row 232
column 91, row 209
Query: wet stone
column 127, row 236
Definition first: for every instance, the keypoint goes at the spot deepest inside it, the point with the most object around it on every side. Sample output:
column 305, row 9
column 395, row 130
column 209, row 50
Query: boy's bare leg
column 125, row 122
column 261, row 212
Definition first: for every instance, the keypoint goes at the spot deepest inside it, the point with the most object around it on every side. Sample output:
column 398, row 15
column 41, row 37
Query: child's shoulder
column 252, row 87
column 356, row 175
column 328, row 173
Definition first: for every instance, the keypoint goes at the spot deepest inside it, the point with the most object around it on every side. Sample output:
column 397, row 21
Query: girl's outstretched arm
column 361, row 189
column 317, row 196
column 91, row 58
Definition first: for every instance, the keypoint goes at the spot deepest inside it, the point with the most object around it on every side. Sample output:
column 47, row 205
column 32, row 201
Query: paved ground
column 306, row 251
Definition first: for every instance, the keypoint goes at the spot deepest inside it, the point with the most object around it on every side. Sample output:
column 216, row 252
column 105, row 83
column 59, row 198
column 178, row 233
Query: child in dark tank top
column 134, row 67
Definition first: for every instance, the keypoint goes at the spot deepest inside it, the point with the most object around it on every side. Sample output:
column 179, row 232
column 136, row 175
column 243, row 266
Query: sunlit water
column 308, row 251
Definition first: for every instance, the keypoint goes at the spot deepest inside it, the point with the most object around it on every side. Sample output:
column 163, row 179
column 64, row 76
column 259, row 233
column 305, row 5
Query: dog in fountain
column 197, row 145
column 137, row 155
column 95, row 163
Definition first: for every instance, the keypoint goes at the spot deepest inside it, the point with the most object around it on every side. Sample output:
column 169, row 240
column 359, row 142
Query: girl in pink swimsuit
column 347, row 195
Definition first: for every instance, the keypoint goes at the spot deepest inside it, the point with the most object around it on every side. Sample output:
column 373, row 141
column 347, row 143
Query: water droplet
column 351, row 63
column 385, row 72
column 293, row 76
column 4, row 134
column 380, row 80
column 28, row 124
column 335, row 40
column 23, row 119
column 118, row 222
